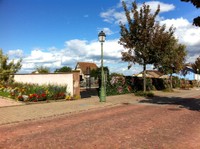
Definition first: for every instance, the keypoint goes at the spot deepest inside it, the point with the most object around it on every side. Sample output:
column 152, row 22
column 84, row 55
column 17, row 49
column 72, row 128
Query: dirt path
column 125, row 126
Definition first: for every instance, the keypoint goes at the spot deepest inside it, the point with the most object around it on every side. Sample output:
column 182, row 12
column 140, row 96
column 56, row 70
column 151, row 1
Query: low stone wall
column 70, row 80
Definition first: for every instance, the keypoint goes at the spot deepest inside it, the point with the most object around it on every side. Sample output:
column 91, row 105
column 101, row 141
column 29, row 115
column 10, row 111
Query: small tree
column 96, row 73
column 7, row 69
column 137, row 36
column 169, row 56
column 63, row 69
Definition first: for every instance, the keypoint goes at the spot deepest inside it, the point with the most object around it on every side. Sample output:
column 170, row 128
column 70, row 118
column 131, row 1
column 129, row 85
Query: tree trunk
column 144, row 77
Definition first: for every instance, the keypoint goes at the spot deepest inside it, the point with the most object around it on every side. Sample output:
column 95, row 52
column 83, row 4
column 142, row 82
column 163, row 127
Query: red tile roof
column 86, row 66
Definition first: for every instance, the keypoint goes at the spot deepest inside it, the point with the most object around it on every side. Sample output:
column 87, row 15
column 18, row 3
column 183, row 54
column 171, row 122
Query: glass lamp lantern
column 102, row 36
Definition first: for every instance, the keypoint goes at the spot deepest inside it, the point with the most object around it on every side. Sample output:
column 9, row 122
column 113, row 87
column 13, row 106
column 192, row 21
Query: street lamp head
column 102, row 36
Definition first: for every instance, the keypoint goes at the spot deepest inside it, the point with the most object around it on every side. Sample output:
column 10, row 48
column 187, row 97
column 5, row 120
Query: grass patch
column 168, row 90
column 145, row 94
column 4, row 94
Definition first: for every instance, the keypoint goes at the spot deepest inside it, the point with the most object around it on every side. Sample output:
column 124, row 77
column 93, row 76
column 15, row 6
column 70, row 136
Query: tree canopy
column 170, row 55
column 196, row 3
column 143, row 37
column 7, row 69
column 63, row 69
column 147, row 42
column 42, row 70
column 137, row 35
column 97, row 72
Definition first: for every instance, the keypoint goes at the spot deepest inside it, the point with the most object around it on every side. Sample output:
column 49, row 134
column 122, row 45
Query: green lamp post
column 102, row 37
column 197, row 77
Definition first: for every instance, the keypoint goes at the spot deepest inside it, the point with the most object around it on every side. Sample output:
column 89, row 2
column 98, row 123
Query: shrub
column 117, row 85
column 145, row 94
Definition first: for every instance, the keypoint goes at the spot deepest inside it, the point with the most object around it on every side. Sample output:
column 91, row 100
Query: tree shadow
column 88, row 93
column 189, row 103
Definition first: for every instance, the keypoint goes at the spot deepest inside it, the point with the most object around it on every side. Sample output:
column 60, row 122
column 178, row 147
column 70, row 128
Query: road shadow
column 87, row 93
column 189, row 103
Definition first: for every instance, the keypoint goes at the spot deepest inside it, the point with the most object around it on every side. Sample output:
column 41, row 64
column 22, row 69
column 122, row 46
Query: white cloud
column 116, row 15
column 177, row 23
column 15, row 53
column 112, row 15
column 38, row 57
column 107, row 31
column 90, row 51
column 75, row 50
column 187, row 34
column 163, row 6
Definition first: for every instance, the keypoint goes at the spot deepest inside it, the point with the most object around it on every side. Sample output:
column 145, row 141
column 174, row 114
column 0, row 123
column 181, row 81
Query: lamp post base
column 102, row 95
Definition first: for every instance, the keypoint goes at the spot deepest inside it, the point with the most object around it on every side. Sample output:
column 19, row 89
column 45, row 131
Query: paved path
column 127, row 126
column 4, row 102
column 22, row 112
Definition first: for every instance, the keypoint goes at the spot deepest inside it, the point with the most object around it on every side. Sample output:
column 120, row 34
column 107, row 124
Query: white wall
column 197, row 77
column 41, row 79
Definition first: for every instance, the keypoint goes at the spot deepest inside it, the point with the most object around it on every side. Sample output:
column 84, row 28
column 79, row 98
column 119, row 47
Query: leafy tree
column 196, row 3
column 96, row 73
column 172, row 58
column 63, row 69
column 42, row 69
column 170, row 55
column 7, row 69
column 196, row 65
column 138, row 36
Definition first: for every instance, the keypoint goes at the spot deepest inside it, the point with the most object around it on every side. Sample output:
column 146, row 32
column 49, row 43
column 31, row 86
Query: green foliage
column 4, row 94
column 116, row 74
column 96, row 73
column 136, row 83
column 63, row 69
column 159, row 83
column 196, row 3
column 175, row 82
column 142, row 37
column 145, row 94
column 117, row 85
column 122, row 85
column 32, row 92
column 42, row 69
column 138, row 35
column 170, row 56
column 196, row 65
column 8, row 69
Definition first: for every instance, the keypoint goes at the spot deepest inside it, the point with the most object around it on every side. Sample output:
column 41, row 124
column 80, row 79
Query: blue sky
column 56, row 33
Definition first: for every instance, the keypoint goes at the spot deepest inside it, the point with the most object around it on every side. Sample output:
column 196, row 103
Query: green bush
column 145, row 94
column 116, row 85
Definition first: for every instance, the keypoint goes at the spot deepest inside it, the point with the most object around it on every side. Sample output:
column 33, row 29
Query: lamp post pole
column 102, row 36
column 197, row 77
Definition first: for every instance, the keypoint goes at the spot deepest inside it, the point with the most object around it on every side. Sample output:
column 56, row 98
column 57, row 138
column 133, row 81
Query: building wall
column 70, row 80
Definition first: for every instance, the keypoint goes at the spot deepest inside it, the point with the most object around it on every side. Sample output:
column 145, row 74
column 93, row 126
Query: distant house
column 85, row 68
column 152, row 74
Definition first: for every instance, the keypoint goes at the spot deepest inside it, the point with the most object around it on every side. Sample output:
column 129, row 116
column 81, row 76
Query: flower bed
column 33, row 92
